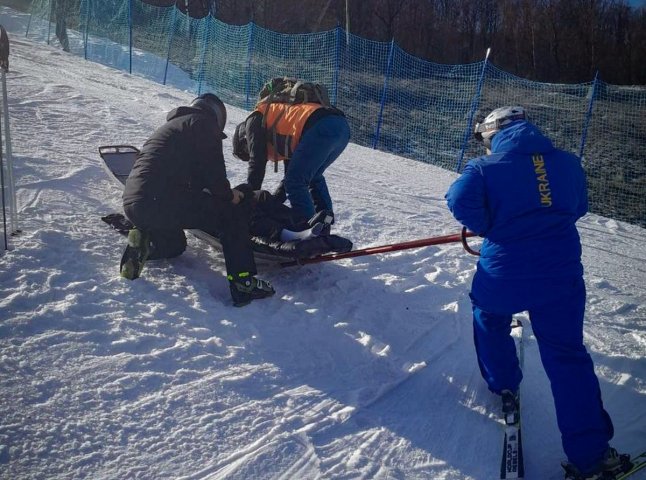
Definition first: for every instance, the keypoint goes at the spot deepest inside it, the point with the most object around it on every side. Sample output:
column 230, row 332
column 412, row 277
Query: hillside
column 359, row 369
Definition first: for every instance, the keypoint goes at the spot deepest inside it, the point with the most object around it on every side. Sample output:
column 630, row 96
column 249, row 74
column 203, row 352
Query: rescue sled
column 118, row 160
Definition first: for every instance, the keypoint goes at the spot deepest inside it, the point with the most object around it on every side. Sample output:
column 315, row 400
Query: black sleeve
column 208, row 144
column 257, row 143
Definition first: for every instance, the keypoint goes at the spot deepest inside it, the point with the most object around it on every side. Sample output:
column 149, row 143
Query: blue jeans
column 318, row 148
column 556, row 309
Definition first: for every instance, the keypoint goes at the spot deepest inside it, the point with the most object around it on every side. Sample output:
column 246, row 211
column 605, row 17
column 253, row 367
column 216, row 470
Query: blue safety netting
column 394, row 102
column 615, row 152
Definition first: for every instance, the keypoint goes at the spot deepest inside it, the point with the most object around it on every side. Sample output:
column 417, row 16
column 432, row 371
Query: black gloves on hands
column 257, row 196
column 246, row 190
column 262, row 196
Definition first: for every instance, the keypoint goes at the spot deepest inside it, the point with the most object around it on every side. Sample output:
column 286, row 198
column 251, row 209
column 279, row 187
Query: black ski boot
column 325, row 218
column 136, row 254
column 613, row 465
column 510, row 407
column 245, row 288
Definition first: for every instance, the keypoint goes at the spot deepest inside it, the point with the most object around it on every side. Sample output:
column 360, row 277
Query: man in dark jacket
column 524, row 197
column 308, row 137
column 179, row 181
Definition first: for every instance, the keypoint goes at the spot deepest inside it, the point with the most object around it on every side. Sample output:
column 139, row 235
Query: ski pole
column 456, row 237
column 4, row 211
column 13, row 202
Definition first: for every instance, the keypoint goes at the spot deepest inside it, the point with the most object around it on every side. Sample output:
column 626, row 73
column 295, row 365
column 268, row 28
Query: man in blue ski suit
column 524, row 197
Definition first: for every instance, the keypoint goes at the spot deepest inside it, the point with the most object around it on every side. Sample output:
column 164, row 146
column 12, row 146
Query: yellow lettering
column 542, row 180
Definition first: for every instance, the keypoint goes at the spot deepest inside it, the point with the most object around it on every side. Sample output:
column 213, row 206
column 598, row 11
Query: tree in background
column 560, row 41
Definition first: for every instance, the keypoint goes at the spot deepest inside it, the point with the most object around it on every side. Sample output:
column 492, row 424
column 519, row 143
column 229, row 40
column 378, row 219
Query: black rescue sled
column 118, row 160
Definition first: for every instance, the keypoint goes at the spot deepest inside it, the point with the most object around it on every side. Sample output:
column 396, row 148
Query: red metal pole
column 465, row 234
column 425, row 242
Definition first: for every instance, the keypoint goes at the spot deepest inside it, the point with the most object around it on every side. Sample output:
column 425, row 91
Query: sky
column 358, row 369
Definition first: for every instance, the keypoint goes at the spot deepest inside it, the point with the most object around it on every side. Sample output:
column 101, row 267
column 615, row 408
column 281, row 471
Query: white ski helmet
column 211, row 103
column 496, row 121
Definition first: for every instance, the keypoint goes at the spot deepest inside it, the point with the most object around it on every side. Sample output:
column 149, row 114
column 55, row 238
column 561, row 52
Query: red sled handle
column 425, row 242
column 466, row 246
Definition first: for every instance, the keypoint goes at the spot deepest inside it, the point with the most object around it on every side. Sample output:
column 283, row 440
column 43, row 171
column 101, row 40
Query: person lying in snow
column 277, row 230
column 276, row 222
column 271, row 224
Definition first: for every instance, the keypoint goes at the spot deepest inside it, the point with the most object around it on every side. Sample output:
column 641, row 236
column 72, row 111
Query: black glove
column 280, row 195
column 262, row 196
column 246, row 190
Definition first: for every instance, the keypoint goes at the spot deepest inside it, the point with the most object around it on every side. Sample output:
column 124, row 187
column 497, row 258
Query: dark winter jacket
column 256, row 137
column 183, row 155
column 524, row 199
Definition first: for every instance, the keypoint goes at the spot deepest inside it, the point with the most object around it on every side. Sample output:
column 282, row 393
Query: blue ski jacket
column 524, row 199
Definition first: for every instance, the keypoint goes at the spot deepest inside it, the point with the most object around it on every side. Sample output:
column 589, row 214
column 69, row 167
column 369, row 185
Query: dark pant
column 271, row 217
column 319, row 147
column 165, row 221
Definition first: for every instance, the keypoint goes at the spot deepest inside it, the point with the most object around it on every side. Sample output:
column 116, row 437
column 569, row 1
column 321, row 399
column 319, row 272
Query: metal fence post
column 207, row 37
column 170, row 42
column 49, row 22
column 337, row 66
column 31, row 14
column 130, row 32
column 249, row 62
column 588, row 116
column 389, row 66
column 87, row 25
column 474, row 107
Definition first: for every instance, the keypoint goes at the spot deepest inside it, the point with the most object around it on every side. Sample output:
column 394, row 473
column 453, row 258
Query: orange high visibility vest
column 284, row 123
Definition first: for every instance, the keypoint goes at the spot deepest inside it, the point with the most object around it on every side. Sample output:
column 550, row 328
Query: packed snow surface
column 357, row 369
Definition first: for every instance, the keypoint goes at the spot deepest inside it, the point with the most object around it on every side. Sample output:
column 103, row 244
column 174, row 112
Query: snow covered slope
column 359, row 369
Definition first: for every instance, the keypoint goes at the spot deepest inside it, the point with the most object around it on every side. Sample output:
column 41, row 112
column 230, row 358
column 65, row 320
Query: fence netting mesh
column 395, row 102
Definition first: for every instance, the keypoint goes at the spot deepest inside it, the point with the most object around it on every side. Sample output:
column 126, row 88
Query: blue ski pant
column 556, row 309
column 319, row 147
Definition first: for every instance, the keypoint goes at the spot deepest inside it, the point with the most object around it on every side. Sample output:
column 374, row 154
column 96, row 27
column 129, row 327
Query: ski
column 639, row 464
column 511, row 465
